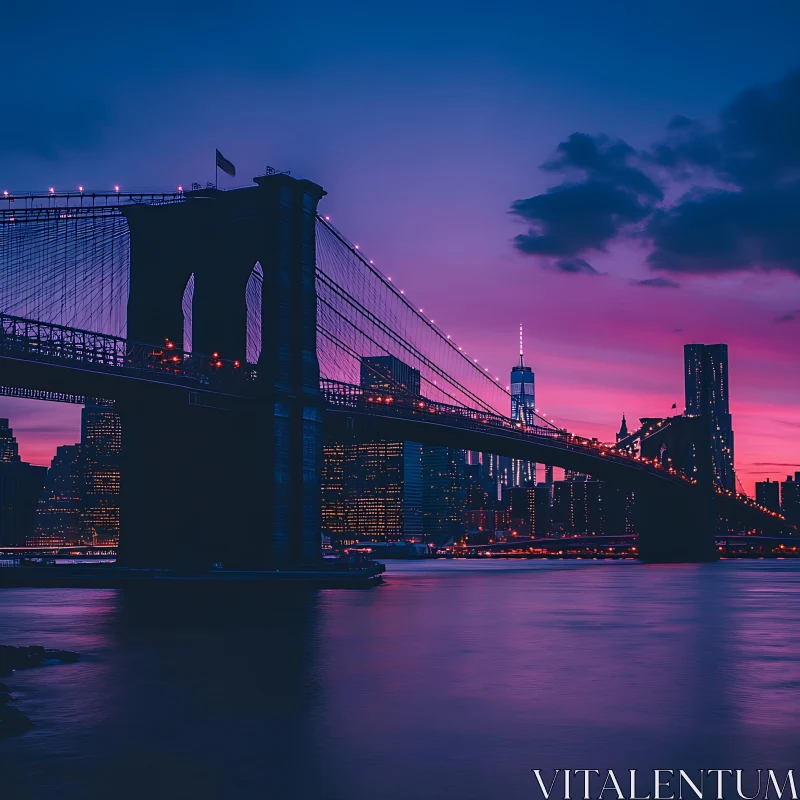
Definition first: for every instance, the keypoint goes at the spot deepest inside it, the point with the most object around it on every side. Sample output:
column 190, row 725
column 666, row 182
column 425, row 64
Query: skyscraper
column 20, row 487
column 790, row 499
column 443, row 493
column 373, row 491
column 768, row 494
column 58, row 513
column 101, row 442
column 706, row 388
column 523, row 408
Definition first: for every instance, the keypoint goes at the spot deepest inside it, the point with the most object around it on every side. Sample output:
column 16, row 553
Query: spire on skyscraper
column 521, row 362
column 623, row 431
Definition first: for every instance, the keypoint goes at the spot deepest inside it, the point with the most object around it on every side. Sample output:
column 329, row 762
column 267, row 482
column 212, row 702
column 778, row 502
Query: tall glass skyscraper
column 523, row 407
column 706, row 387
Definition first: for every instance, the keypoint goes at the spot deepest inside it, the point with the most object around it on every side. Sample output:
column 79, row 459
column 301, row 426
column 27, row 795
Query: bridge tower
column 181, row 504
column 679, row 526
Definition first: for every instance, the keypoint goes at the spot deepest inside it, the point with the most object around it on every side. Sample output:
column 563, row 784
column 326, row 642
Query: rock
column 12, row 658
column 5, row 698
column 12, row 721
column 3, row 687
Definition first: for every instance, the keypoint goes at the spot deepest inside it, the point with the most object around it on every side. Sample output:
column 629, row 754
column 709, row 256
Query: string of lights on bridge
column 420, row 312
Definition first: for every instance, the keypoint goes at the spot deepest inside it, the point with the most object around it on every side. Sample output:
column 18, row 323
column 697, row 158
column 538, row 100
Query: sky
column 621, row 178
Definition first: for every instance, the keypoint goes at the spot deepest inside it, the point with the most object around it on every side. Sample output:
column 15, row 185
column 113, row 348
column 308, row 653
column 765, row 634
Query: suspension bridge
column 231, row 329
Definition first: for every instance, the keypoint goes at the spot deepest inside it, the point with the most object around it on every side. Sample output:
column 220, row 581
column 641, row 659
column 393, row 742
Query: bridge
column 230, row 330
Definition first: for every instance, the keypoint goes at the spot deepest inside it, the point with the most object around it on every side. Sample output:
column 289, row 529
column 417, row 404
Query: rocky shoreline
column 12, row 720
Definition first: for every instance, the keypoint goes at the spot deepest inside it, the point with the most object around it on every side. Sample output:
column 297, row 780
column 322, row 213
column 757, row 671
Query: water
column 454, row 680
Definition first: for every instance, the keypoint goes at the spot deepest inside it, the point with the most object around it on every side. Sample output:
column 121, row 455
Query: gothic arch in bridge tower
column 186, row 306
column 253, row 301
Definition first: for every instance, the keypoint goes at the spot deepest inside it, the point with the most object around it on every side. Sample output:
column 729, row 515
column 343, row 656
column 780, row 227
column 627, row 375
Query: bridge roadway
column 680, row 513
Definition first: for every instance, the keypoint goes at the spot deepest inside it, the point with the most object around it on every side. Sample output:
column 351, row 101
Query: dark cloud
column 575, row 266
column 792, row 316
column 659, row 283
column 750, row 220
column 54, row 130
column 741, row 213
column 602, row 193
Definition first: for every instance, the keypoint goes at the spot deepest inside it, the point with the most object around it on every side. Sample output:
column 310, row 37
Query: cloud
column 792, row 316
column 774, row 464
column 739, row 213
column 602, row 193
column 658, row 283
column 748, row 220
column 575, row 266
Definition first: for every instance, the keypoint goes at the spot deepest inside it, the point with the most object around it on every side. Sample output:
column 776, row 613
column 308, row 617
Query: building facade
column 706, row 385
column 768, row 494
column 101, row 443
column 523, row 410
column 443, row 493
column 790, row 499
column 58, row 512
column 20, row 487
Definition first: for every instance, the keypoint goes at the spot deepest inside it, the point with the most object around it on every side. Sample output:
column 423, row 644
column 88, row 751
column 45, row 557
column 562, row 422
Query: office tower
column 372, row 492
column 592, row 507
column 768, row 494
column 790, row 499
column 101, row 442
column 389, row 374
column 706, row 389
column 530, row 510
column 332, row 488
column 9, row 449
column 523, row 407
column 20, row 487
column 443, row 493
column 58, row 512
column 382, row 495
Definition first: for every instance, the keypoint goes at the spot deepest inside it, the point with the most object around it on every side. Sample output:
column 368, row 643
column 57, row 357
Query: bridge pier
column 677, row 528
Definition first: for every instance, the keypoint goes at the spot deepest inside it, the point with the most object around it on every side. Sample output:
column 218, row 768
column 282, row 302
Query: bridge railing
column 47, row 342
column 343, row 395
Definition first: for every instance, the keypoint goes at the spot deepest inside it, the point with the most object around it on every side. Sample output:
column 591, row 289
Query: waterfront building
column 9, row 449
column 768, row 494
column 372, row 492
column 443, row 493
column 592, row 507
column 20, row 487
column 706, row 387
column 332, row 488
column 58, row 512
column 790, row 499
column 530, row 509
column 101, row 443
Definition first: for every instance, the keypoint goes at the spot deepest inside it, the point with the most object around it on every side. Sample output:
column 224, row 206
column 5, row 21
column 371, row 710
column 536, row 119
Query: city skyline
column 423, row 174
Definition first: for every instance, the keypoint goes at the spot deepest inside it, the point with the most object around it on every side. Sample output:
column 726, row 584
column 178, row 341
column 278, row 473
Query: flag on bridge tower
column 225, row 165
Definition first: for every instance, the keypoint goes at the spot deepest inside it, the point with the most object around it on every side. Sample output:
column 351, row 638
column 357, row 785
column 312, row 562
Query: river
column 453, row 680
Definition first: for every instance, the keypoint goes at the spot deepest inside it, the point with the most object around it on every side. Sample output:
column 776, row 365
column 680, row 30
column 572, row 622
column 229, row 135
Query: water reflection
column 453, row 680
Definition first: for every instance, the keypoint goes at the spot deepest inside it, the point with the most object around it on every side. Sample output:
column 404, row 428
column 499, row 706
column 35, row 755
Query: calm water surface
column 452, row 680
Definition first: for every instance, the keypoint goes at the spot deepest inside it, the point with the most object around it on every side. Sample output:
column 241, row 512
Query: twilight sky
column 621, row 178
